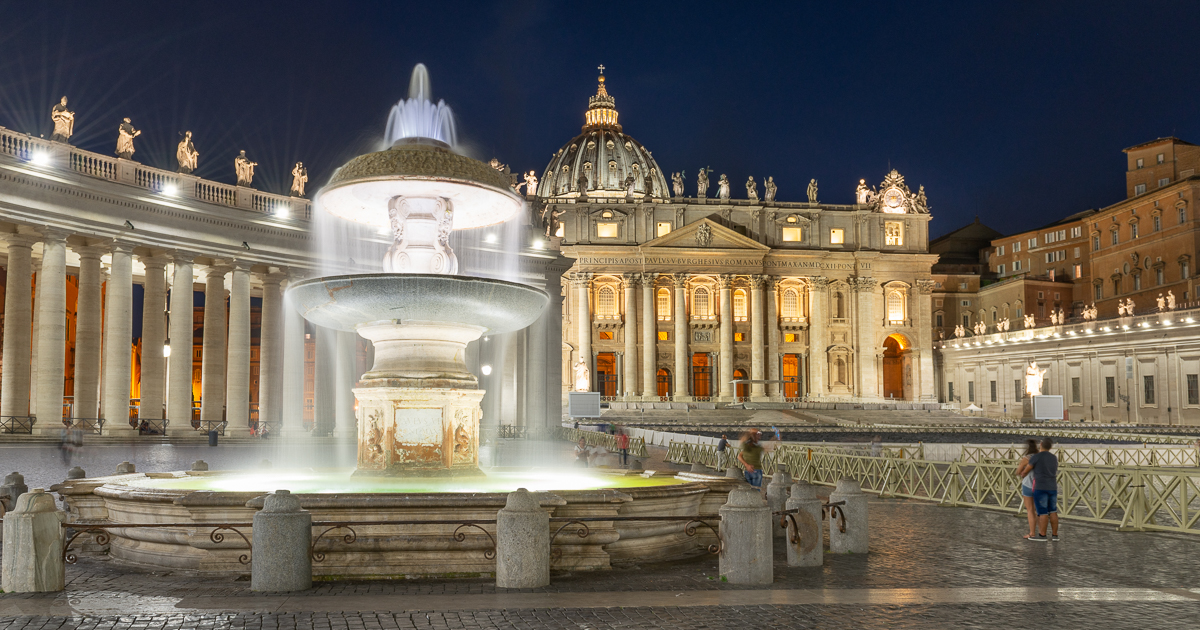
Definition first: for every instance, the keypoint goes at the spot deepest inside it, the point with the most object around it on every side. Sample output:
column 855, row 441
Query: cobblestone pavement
column 929, row 567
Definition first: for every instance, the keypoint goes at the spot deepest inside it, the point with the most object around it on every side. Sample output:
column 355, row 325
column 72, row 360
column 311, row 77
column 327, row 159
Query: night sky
column 1016, row 112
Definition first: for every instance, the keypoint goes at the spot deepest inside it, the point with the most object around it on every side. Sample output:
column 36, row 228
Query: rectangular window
column 1099, row 294
column 1137, row 282
column 1161, row 158
column 1148, row 390
column 606, row 335
column 894, row 231
column 1077, row 231
column 1182, row 215
column 1116, row 237
column 739, row 336
column 606, row 230
column 1110, row 390
column 1018, row 390
column 792, row 234
column 1016, row 247
column 1095, row 243
column 1140, row 189
column 1000, row 251
column 950, row 391
column 1033, row 242
column 1140, row 162
column 966, row 302
column 1157, row 223
column 1164, row 181
column 1076, row 252
column 1016, row 265
column 1193, row 389
column 1078, row 271
column 938, row 317
column 1049, row 257
column 970, row 391
column 1076, row 390
column 789, row 338
column 1000, row 269
column 664, row 228
column 966, row 321
column 993, row 388
column 1185, row 271
column 1158, row 275
column 836, row 236
column 1133, row 231
column 664, row 335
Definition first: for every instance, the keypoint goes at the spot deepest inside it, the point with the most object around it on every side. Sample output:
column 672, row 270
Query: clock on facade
column 893, row 201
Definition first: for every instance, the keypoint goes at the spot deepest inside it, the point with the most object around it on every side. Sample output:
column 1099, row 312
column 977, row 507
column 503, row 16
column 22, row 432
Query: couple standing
column 1038, row 470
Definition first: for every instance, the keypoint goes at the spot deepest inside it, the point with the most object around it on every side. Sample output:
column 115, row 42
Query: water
column 418, row 117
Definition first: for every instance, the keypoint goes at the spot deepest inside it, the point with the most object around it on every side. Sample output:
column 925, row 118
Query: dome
column 605, row 156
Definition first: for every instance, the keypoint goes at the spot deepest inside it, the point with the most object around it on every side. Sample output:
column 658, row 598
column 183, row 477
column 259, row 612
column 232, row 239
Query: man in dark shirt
column 1045, row 489
column 722, row 453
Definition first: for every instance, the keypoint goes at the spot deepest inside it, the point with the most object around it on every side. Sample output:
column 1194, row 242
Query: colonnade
column 35, row 341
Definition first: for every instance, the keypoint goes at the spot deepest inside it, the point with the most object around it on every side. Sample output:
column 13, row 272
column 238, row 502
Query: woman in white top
column 1025, row 472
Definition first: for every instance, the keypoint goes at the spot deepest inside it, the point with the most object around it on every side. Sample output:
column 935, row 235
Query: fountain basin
column 199, row 501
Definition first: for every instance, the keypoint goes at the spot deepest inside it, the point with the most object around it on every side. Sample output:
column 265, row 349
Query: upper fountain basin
column 360, row 190
column 345, row 302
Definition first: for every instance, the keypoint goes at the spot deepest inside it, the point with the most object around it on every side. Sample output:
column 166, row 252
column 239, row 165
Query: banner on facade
column 583, row 404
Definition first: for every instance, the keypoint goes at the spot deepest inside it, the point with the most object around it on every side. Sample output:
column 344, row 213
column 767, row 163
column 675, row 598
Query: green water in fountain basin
column 341, row 481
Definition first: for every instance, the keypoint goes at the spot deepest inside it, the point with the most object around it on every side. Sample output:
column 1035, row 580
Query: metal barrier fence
column 706, row 454
column 1148, row 455
column 1131, row 498
column 17, row 424
column 637, row 446
column 1087, row 432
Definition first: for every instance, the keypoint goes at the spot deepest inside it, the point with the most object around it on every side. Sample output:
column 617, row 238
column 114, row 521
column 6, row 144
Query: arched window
column 606, row 303
column 739, row 305
column 663, row 301
column 700, row 303
column 895, row 305
column 791, row 303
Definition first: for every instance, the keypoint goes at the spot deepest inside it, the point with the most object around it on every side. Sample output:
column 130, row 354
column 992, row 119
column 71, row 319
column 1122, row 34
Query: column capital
column 649, row 278
column 680, row 279
column 632, row 280
column 819, row 282
column 241, row 265
column 54, row 234
column 124, row 247
column 216, row 270
column 725, row 280
column 758, row 282
column 155, row 262
column 275, row 278
column 925, row 286
column 20, row 240
column 90, row 252
column 180, row 256
column 863, row 284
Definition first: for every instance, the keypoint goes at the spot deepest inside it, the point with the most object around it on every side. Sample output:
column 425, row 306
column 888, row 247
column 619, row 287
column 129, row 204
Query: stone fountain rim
column 419, row 161
column 432, row 276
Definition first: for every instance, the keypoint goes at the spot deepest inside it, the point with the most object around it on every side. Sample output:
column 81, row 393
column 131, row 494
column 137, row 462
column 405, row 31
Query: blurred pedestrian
column 877, row 446
column 581, row 453
column 623, row 447
column 1025, row 472
column 723, row 453
column 751, row 457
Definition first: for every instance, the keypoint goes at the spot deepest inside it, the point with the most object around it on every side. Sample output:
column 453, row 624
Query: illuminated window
column 836, row 236
column 792, row 234
column 739, row 305
column 1078, row 270
column 894, row 230
column 789, row 338
column 663, row 305
column 606, row 303
column 606, row 230
column 664, row 335
column 895, row 306
column 791, row 303
column 700, row 303
column 664, row 228
column 606, row 335
column 739, row 336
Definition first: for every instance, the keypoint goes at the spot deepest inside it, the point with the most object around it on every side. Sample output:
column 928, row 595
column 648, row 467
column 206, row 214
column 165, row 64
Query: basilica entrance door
column 743, row 389
column 791, row 376
column 894, row 349
column 701, row 375
column 606, row 373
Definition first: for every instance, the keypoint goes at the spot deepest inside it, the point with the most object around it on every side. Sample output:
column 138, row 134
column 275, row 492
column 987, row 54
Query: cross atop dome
column 601, row 112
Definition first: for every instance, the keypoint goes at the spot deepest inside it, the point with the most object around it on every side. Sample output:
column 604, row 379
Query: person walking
column 1045, row 490
column 751, row 458
column 623, row 447
column 581, row 453
column 723, row 453
column 877, row 447
column 1025, row 472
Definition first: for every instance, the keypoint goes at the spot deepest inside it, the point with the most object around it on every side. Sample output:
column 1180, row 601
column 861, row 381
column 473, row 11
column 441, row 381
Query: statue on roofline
column 723, row 187
column 186, row 154
column 299, row 178
column 771, row 189
column 244, row 169
column 812, row 191
column 751, row 189
column 677, row 184
column 64, row 121
column 125, row 135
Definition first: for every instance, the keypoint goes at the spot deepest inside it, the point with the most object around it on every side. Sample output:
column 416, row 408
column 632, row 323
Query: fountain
column 419, row 406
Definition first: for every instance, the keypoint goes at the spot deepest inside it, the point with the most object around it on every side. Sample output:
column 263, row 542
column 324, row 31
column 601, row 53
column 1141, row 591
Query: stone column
column 818, row 328
column 535, row 369
column 757, row 372
column 179, row 365
column 291, row 404
column 774, row 390
column 118, row 340
column 725, row 371
column 583, row 322
column 18, row 319
column 866, row 346
column 923, row 357
column 346, row 377
column 237, row 378
column 269, row 351
column 649, row 338
column 33, row 346
column 632, row 280
column 746, row 555
column 212, row 367
column 52, row 334
column 682, row 360
column 324, row 385
column 88, row 334
column 154, row 305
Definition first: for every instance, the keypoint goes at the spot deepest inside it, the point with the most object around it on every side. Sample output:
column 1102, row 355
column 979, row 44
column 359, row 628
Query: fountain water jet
column 419, row 405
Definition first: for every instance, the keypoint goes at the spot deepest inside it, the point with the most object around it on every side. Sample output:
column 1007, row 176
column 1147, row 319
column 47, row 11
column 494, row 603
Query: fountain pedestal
column 415, row 432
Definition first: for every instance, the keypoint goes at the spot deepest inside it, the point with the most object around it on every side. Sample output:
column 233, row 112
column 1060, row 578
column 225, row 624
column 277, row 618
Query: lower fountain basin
column 348, row 302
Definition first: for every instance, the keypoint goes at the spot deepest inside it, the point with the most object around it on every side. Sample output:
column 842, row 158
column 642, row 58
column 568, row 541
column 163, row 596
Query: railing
column 153, row 427
column 88, row 425
column 17, row 424
column 706, row 454
column 17, row 144
column 210, row 425
column 213, row 192
column 1157, row 455
column 155, row 180
column 637, row 446
column 513, row 432
column 94, row 165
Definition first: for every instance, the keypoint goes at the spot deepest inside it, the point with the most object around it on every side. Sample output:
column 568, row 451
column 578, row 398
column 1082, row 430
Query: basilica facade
column 697, row 298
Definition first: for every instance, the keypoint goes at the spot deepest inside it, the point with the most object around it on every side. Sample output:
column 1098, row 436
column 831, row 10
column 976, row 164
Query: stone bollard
column 733, row 472
column 522, row 543
column 777, row 494
column 810, row 552
column 699, row 468
column 33, row 545
column 125, row 468
column 746, row 554
column 199, row 465
column 855, row 539
column 280, row 560
column 14, row 486
column 76, row 473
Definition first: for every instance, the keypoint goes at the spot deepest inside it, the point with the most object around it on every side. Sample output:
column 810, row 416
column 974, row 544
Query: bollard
column 699, row 468
column 14, row 486
column 280, row 560
column 125, row 468
column 809, row 549
column 76, row 473
column 199, row 465
column 746, row 554
column 854, row 540
column 33, row 545
column 522, row 543
column 733, row 472
column 777, row 494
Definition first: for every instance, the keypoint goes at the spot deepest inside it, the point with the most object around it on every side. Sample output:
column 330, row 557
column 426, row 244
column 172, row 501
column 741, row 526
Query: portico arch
column 897, row 367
